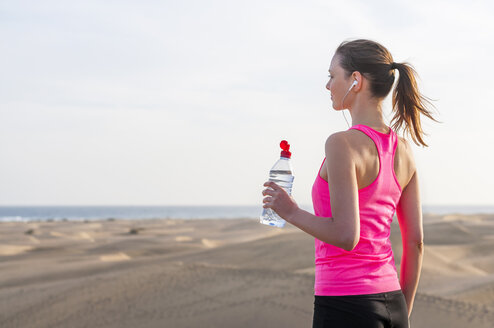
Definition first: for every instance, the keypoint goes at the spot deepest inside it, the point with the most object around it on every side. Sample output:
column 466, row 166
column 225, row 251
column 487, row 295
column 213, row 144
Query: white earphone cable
column 343, row 112
column 342, row 104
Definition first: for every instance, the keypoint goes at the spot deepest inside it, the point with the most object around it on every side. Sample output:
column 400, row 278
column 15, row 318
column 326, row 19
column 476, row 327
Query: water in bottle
column 282, row 174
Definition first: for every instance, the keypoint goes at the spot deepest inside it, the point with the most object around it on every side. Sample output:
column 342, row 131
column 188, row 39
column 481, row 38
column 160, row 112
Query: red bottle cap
column 286, row 149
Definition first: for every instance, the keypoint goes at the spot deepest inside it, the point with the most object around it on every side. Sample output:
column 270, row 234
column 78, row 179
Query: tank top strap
column 385, row 142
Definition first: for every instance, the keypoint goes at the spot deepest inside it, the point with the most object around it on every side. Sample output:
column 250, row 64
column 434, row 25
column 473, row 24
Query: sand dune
column 217, row 273
column 9, row 250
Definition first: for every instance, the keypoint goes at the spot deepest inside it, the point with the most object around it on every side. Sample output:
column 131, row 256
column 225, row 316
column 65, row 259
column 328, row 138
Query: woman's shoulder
column 350, row 139
column 339, row 143
column 338, row 139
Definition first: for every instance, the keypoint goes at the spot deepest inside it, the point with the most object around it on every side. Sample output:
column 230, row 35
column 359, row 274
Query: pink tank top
column 369, row 268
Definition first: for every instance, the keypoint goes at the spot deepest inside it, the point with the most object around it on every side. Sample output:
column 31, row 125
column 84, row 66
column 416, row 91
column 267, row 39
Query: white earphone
column 353, row 84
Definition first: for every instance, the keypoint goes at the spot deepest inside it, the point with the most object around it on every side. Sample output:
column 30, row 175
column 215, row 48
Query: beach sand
column 217, row 273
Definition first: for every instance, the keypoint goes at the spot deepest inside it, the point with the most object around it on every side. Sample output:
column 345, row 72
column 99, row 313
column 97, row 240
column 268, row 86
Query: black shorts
column 361, row 311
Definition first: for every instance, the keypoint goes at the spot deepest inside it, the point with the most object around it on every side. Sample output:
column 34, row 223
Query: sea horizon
column 28, row 213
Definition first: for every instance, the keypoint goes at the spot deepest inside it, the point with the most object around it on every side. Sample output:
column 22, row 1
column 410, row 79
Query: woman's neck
column 368, row 113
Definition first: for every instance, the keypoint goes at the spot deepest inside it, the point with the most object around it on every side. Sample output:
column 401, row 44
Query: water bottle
column 281, row 174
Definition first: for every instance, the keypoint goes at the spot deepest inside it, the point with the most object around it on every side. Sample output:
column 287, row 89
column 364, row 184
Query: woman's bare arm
column 343, row 228
column 409, row 213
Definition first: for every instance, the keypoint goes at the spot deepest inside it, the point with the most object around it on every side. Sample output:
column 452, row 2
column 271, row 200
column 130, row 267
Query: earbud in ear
column 353, row 84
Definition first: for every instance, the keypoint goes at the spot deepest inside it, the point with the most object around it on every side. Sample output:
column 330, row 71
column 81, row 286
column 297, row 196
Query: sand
column 217, row 273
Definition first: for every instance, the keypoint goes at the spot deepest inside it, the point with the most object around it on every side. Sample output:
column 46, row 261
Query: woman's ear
column 359, row 78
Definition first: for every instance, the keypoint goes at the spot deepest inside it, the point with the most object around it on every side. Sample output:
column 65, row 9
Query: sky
column 185, row 102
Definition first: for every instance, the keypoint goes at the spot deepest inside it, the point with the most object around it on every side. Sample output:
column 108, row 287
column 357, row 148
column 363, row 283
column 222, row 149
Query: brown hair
column 376, row 64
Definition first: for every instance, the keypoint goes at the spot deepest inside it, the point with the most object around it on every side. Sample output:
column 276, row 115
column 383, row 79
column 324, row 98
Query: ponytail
column 408, row 104
column 375, row 63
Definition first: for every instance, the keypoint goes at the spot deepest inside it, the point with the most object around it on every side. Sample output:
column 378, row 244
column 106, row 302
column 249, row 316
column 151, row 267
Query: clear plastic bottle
column 282, row 174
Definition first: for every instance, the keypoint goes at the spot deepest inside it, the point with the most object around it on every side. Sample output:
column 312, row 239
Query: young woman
column 370, row 173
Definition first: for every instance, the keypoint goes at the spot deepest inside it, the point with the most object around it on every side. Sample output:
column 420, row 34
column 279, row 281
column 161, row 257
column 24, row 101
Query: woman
column 356, row 282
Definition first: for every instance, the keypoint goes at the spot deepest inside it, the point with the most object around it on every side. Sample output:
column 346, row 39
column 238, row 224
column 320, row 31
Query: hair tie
column 394, row 65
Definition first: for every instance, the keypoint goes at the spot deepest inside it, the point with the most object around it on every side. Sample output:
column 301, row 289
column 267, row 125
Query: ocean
column 81, row 213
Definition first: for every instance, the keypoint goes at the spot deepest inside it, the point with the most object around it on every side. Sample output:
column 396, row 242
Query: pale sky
column 185, row 102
